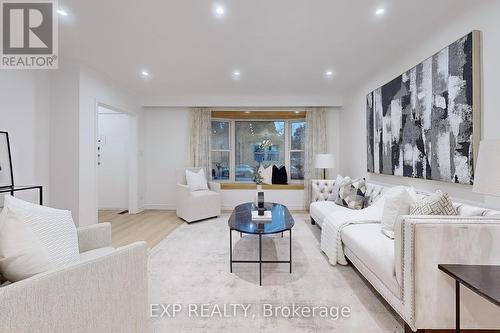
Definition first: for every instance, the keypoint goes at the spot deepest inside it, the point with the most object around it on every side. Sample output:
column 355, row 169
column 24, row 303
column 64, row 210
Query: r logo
column 27, row 28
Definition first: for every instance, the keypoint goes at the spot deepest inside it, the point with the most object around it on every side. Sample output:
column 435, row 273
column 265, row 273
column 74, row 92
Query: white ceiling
column 281, row 47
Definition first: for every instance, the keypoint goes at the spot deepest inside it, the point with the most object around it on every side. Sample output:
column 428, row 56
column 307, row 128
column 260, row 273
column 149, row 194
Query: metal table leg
column 290, row 251
column 260, row 259
column 230, row 250
column 40, row 195
column 457, row 306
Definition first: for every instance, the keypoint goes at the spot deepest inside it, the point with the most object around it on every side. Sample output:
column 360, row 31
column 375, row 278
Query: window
column 298, row 132
column 220, row 150
column 239, row 147
column 258, row 142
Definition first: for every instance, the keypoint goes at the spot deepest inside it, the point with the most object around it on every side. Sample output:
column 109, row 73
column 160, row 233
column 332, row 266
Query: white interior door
column 113, row 159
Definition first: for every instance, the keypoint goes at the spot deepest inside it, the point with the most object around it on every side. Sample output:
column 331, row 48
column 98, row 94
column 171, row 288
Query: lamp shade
column 487, row 174
column 324, row 161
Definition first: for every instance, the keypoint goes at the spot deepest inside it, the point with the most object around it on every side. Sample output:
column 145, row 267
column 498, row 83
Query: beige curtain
column 199, row 143
column 315, row 144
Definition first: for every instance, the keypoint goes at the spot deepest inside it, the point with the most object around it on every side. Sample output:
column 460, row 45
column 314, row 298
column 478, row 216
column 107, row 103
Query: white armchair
column 197, row 205
column 106, row 292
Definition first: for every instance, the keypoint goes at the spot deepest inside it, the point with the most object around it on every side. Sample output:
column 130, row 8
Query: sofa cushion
column 279, row 176
column 336, row 188
column 398, row 201
column 438, row 203
column 196, row 180
column 374, row 250
column 352, row 193
column 22, row 254
column 96, row 253
column 53, row 227
column 319, row 210
column 266, row 174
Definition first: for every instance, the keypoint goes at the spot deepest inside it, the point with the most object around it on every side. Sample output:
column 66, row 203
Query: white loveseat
column 106, row 292
column 404, row 270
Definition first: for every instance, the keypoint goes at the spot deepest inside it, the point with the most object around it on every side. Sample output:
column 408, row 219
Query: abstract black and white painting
column 424, row 123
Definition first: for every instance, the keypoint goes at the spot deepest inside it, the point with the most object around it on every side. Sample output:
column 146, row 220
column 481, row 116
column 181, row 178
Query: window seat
column 250, row 186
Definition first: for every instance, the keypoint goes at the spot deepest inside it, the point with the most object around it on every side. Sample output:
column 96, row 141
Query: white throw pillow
column 267, row 174
column 22, row 254
column 54, row 228
column 336, row 188
column 196, row 180
column 397, row 201
column 438, row 203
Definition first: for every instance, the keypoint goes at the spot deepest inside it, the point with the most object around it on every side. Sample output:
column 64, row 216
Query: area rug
column 192, row 290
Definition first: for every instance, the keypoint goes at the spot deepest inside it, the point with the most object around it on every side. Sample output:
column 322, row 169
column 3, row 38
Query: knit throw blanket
column 331, row 230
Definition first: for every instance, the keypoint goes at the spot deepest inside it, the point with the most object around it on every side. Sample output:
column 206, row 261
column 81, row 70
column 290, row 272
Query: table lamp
column 324, row 161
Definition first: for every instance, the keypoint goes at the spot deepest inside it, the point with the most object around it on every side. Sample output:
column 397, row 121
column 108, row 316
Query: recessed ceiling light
column 219, row 11
column 297, row 111
column 247, row 112
column 236, row 75
column 329, row 74
column 145, row 75
column 62, row 12
column 380, row 11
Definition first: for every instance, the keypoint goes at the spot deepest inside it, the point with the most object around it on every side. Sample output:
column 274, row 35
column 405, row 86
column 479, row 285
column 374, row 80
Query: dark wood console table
column 484, row 280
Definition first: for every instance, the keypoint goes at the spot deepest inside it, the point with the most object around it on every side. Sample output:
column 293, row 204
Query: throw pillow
column 352, row 193
column 54, row 228
column 336, row 188
column 397, row 201
column 279, row 175
column 196, row 180
column 438, row 203
column 267, row 174
column 22, row 254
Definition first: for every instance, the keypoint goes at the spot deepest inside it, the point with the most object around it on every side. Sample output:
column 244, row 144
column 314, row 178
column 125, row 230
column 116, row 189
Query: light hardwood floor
column 151, row 226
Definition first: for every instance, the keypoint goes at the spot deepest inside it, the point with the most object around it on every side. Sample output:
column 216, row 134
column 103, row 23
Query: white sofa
column 404, row 270
column 106, row 292
column 197, row 205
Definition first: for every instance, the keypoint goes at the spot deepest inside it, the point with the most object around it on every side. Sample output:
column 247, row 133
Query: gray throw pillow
column 352, row 193
column 438, row 203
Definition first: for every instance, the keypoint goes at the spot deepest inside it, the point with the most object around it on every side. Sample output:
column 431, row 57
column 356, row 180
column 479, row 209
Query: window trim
column 232, row 150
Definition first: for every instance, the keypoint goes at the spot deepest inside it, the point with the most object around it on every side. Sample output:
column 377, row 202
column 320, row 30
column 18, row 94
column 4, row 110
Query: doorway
column 113, row 159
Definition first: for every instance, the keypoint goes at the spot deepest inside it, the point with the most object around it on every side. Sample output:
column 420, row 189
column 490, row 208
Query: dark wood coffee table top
column 482, row 279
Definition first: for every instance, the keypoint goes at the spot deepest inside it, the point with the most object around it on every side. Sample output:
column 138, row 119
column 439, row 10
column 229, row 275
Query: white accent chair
column 107, row 291
column 197, row 205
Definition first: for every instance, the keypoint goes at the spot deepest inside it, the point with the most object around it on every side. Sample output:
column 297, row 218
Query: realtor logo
column 29, row 35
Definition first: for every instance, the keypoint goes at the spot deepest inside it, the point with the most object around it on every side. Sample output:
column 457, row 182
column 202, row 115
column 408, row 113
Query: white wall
column 64, row 138
column 166, row 154
column 333, row 136
column 24, row 113
column 96, row 89
column 353, row 130
column 113, row 170
column 166, row 145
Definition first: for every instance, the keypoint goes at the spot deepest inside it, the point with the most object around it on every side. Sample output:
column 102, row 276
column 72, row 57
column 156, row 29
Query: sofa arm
column 423, row 242
column 106, row 294
column 94, row 236
column 214, row 186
